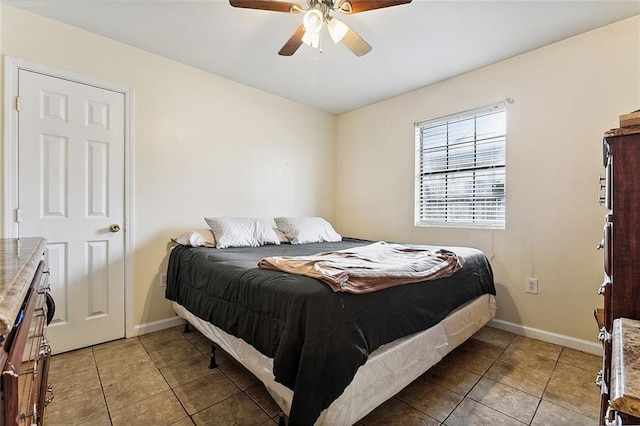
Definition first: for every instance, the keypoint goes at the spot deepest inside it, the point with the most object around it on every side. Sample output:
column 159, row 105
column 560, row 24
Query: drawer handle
column 43, row 290
column 602, row 182
column 598, row 381
column 604, row 335
column 610, row 419
column 45, row 348
column 601, row 289
column 48, row 400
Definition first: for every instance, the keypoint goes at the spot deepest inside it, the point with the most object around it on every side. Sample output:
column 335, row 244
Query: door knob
column 114, row 228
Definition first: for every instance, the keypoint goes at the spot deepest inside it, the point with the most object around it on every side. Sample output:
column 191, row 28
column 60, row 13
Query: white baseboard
column 594, row 348
column 150, row 327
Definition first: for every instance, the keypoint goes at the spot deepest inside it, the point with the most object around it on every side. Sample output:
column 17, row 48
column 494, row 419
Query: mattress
column 317, row 339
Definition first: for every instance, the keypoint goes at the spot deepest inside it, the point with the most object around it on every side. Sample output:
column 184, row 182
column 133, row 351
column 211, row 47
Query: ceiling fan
column 318, row 14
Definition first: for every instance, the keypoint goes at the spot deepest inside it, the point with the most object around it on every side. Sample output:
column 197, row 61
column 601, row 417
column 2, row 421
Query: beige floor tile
column 77, row 409
column 451, row 377
column 239, row 375
column 518, row 378
column 469, row 361
column 126, row 355
column 103, row 420
column 134, row 386
column 184, row 422
column 79, row 360
column 516, row 371
column 537, row 347
column 194, row 334
column 67, row 383
column 495, row 336
column 549, row 414
column 581, row 359
column 528, row 361
column 470, row 412
column 482, row 348
column 186, row 370
column 124, row 343
column 429, row 398
column 202, row 393
column 222, row 358
column 112, row 372
column 507, row 400
column 161, row 409
column 176, row 352
column 202, row 343
column 260, row 396
column 573, row 388
column 395, row 411
column 162, row 339
column 236, row 410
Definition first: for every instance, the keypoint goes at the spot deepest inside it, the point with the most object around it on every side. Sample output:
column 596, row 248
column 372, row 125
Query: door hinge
column 17, row 103
column 18, row 215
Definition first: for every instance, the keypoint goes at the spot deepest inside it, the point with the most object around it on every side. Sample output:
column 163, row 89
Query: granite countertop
column 18, row 263
column 625, row 366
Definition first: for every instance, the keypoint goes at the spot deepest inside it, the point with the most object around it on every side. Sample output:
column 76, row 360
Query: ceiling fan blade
column 356, row 6
column 294, row 42
column 355, row 43
column 275, row 6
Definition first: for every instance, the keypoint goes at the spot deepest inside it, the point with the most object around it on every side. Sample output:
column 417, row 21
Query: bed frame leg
column 281, row 421
column 187, row 329
column 213, row 363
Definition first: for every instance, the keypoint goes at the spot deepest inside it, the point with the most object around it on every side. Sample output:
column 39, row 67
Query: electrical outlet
column 163, row 280
column 531, row 285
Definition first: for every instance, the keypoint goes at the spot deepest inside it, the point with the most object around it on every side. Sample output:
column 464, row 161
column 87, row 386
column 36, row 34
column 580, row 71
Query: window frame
column 419, row 199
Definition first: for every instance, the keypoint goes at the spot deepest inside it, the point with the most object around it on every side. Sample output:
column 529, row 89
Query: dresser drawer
column 24, row 379
column 608, row 247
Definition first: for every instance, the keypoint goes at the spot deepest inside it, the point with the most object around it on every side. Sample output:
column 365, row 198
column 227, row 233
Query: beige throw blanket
column 369, row 268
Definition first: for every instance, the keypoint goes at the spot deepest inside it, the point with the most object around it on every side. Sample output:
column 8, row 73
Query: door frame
column 12, row 66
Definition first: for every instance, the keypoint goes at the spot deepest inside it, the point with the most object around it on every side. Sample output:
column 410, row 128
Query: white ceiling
column 414, row 45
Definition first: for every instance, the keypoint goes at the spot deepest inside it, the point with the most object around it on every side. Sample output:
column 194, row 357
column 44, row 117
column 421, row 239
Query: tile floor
column 495, row 378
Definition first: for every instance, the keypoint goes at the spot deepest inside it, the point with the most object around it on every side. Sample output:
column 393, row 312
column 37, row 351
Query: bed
column 326, row 357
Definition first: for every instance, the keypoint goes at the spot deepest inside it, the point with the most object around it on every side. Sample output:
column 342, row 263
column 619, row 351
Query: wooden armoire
column 621, row 244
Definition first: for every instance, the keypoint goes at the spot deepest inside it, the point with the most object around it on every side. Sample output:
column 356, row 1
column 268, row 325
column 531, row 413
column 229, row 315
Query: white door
column 71, row 191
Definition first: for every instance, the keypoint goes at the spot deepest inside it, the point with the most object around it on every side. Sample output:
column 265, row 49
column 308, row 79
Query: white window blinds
column 460, row 169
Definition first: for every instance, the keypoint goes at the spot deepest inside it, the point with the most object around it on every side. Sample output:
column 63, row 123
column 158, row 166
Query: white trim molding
column 163, row 324
column 547, row 336
column 12, row 66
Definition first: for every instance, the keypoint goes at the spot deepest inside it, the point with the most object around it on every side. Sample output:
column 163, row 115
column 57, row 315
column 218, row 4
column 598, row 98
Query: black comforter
column 317, row 338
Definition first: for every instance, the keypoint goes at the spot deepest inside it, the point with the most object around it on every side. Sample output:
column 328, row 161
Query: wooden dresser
column 621, row 244
column 24, row 351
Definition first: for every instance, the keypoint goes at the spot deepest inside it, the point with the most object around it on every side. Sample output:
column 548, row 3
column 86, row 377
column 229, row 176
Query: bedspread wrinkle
column 369, row 268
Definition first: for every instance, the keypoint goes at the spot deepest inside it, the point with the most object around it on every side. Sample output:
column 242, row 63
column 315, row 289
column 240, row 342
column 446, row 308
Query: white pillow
column 281, row 236
column 241, row 231
column 197, row 238
column 303, row 230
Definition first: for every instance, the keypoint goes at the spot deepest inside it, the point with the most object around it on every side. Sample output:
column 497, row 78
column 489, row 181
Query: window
column 460, row 169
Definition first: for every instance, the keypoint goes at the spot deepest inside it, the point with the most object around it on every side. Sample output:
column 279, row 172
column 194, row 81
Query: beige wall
column 203, row 145
column 566, row 95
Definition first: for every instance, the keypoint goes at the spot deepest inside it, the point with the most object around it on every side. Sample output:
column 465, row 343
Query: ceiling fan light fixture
column 337, row 30
column 312, row 21
column 311, row 39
